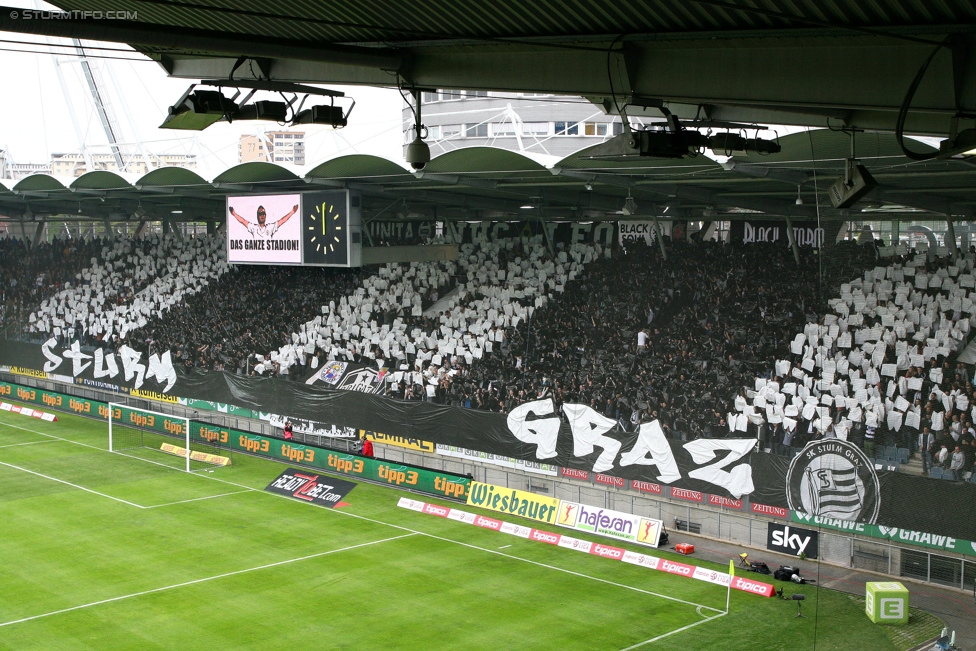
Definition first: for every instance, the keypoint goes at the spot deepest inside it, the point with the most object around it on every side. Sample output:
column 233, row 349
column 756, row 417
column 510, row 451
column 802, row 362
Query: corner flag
column 728, row 594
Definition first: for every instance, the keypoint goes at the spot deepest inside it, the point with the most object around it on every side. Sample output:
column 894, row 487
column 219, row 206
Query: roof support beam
column 915, row 200
column 804, row 78
column 39, row 231
column 155, row 35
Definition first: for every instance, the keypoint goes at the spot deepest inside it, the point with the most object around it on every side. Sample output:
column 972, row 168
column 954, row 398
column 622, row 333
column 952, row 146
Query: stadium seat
column 903, row 454
column 935, row 473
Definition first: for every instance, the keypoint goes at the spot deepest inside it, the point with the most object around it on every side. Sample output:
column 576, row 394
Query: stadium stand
column 636, row 336
column 28, row 276
column 248, row 309
column 494, row 287
column 128, row 282
column 878, row 363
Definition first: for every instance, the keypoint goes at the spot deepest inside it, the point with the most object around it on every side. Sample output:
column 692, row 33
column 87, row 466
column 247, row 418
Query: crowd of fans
column 490, row 289
column 879, row 368
column 248, row 309
column 128, row 282
column 704, row 340
column 29, row 275
column 639, row 337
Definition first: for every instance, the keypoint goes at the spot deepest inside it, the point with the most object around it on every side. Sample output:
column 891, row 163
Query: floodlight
column 264, row 110
column 678, row 143
column 728, row 142
column 331, row 115
column 196, row 111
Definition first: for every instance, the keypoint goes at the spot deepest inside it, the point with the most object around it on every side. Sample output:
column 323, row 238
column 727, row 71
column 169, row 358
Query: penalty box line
column 14, row 445
column 202, row 580
column 395, row 526
column 68, row 483
column 198, row 499
column 54, row 439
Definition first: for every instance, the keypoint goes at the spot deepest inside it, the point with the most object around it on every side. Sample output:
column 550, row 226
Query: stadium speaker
column 848, row 190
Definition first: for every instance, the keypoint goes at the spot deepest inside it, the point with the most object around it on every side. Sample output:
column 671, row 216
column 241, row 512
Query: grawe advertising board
column 893, row 534
column 606, row 522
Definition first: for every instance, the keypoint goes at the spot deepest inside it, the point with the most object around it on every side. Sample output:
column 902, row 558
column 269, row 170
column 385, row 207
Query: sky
column 36, row 114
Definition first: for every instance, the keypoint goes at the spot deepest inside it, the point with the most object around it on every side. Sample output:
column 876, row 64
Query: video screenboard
column 309, row 228
column 264, row 229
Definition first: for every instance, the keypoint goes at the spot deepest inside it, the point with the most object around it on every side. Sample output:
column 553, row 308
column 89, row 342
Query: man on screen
column 262, row 228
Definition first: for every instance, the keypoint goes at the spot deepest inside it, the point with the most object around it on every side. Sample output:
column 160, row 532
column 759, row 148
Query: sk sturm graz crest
column 834, row 479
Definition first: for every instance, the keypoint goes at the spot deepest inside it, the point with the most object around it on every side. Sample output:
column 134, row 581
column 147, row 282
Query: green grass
column 211, row 561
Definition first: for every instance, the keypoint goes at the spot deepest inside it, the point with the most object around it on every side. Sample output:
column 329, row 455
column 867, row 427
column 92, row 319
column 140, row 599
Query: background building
column 534, row 123
column 75, row 164
column 252, row 148
column 273, row 147
column 11, row 171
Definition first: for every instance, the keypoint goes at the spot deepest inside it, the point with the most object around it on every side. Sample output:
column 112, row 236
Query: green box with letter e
column 886, row 602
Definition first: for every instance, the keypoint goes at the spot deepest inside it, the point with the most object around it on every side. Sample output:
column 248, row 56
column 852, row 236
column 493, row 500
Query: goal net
column 161, row 438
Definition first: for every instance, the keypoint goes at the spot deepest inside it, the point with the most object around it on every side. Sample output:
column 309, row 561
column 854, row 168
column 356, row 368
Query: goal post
column 140, row 432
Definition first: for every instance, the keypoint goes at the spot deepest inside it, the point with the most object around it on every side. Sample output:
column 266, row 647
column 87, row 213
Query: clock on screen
column 325, row 229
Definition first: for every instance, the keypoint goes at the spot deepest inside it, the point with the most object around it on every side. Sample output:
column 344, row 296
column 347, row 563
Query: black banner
column 806, row 233
column 819, row 481
column 124, row 370
column 794, row 541
column 311, row 487
column 406, row 232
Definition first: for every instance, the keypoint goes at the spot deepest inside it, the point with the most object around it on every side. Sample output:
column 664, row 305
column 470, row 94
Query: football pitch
column 100, row 550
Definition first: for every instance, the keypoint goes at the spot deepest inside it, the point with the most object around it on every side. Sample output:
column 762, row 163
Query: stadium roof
column 483, row 183
column 803, row 62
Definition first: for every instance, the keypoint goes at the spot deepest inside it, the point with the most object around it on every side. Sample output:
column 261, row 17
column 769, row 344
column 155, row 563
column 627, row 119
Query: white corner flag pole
column 728, row 595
